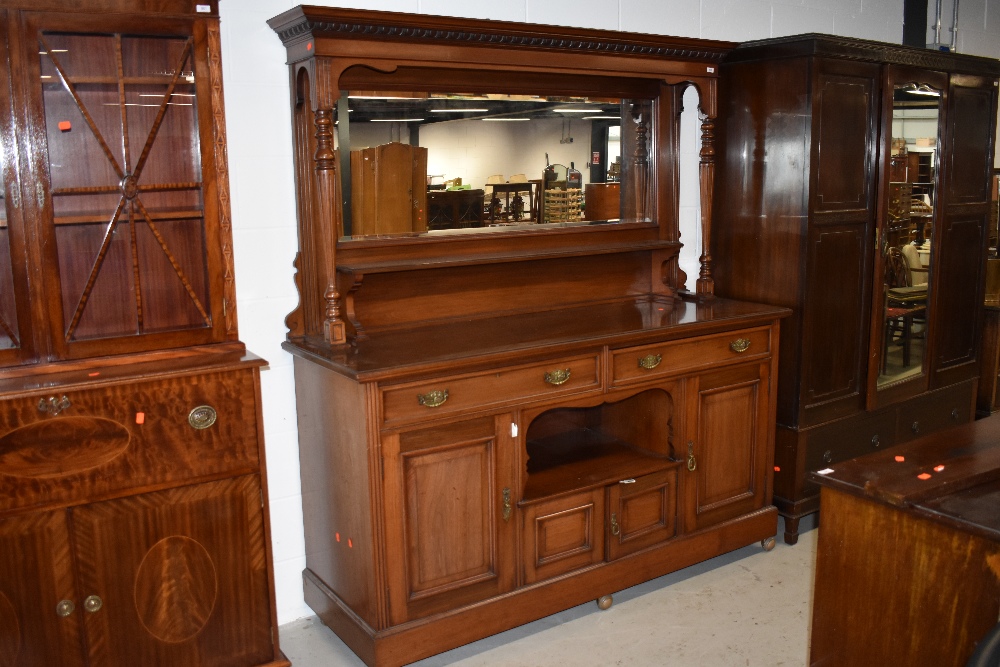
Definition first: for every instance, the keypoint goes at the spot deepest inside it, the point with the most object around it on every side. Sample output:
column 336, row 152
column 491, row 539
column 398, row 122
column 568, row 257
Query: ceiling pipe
column 954, row 28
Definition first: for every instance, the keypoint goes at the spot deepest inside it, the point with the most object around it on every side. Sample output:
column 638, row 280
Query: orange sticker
column 900, row 459
column 938, row 468
column 924, row 475
column 140, row 418
column 65, row 126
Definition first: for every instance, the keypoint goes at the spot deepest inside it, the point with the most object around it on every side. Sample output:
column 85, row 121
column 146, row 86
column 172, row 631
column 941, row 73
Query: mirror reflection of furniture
column 389, row 194
column 512, row 207
column 454, row 209
column 562, row 196
column 905, row 306
column 809, row 232
column 602, row 201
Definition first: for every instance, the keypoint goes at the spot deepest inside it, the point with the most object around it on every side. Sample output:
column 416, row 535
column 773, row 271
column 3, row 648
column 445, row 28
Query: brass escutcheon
column 65, row 608
column 615, row 528
column 650, row 361
column 53, row 405
column 433, row 399
column 93, row 603
column 557, row 377
column 740, row 345
column 692, row 463
column 508, row 507
column 202, row 417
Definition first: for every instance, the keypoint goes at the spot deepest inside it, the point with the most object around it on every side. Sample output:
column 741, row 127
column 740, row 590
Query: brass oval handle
column 692, row 463
column 557, row 377
column 650, row 361
column 65, row 608
column 740, row 345
column 53, row 405
column 615, row 528
column 508, row 507
column 93, row 603
column 433, row 399
column 202, row 417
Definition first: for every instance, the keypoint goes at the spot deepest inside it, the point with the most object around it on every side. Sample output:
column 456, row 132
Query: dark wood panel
column 970, row 130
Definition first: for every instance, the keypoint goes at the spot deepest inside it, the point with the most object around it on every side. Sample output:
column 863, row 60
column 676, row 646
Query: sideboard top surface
column 505, row 339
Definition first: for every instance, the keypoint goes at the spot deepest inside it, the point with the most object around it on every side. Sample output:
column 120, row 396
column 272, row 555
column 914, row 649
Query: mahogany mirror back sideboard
column 516, row 408
column 133, row 499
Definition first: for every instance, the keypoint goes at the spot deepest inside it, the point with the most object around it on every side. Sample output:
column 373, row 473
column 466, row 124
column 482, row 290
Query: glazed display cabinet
column 502, row 421
column 855, row 189
column 133, row 516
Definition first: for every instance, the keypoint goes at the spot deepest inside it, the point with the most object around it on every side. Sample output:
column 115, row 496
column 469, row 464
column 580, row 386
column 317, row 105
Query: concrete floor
column 748, row 608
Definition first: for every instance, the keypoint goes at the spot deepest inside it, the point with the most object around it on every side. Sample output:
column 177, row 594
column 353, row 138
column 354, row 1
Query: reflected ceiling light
column 921, row 89
column 599, row 117
column 459, row 110
column 384, row 97
column 505, row 120
column 573, row 110
column 396, row 120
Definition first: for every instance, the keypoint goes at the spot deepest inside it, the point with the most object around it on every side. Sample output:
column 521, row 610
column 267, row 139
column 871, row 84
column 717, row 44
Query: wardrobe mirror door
column 905, row 244
column 8, row 309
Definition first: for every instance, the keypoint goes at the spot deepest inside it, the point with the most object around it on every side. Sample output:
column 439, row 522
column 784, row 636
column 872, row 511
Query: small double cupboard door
column 174, row 577
column 728, row 464
column 449, row 515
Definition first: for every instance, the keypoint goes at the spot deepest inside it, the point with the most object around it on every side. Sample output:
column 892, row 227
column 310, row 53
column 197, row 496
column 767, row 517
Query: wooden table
column 908, row 563
column 512, row 188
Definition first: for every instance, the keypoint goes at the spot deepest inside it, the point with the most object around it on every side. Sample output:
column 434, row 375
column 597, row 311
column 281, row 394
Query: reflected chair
column 493, row 208
column 914, row 265
column 903, row 303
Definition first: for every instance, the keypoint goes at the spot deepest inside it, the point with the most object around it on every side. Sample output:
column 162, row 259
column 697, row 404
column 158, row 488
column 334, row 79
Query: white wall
column 260, row 160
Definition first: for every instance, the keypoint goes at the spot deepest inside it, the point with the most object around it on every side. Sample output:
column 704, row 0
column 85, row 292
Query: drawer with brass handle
column 406, row 403
column 635, row 364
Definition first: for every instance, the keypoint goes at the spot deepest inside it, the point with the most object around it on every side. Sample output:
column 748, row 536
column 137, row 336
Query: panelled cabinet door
column 128, row 163
column 641, row 512
column 40, row 611
column 449, row 516
column 960, row 243
column 725, row 464
column 842, row 204
column 175, row 577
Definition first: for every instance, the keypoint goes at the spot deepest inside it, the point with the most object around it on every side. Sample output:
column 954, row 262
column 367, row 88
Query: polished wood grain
column 907, row 566
column 134, row 494
column 644, row 509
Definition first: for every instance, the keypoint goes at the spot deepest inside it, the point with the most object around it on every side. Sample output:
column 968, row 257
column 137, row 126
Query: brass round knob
column 93, row 603
column 202, row 417
column 875, row 440
column 954, row 414
column 915, row 427
column 65, row 608
column 827, row 456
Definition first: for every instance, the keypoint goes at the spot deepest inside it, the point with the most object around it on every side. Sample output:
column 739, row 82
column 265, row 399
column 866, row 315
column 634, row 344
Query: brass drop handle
column 615, row 528
column 692, row 463
column 650, row 361
column 93, row 603
column 915, row 427
column 433, row 399
column 65, row 608
column 557, row 377
column 740, row 345
column 508, row 507
column 954, row 414
column 53, row 405
column 828, row 456
column 202, row 417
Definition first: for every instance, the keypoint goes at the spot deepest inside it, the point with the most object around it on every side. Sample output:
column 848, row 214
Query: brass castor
column 604, row 602
column 768, row 543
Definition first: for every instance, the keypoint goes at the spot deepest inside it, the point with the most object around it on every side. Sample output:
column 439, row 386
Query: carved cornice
column 848, row 48
column 526, row 36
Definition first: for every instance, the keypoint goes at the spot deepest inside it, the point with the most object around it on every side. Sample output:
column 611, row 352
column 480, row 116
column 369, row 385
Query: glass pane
column 125, row 167
column 907, row 246
column 8, row 311
column 427, row 164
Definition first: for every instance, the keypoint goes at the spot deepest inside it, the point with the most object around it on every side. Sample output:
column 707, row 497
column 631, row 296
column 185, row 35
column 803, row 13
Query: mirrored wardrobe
column 853, row 187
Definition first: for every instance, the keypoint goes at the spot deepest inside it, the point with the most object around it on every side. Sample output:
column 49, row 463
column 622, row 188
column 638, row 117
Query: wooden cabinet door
column 726, row 469
column 842, row 217
column 959, row 246
column 40, row 610
column 176, row 577
column 641, row 512
column 449, row 516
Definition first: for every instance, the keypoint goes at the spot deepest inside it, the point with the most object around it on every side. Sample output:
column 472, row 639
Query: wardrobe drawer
column 638, row 363
column 82, row 444
column 460, row 393
column 846, row 439
column 935, row 411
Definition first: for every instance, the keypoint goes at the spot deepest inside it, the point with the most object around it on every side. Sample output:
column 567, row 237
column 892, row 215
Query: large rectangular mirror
column 426, row 164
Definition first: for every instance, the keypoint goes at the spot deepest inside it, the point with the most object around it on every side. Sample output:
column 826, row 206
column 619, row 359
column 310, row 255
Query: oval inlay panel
column 10, row 633
column 175, row 589
column 62, row 446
